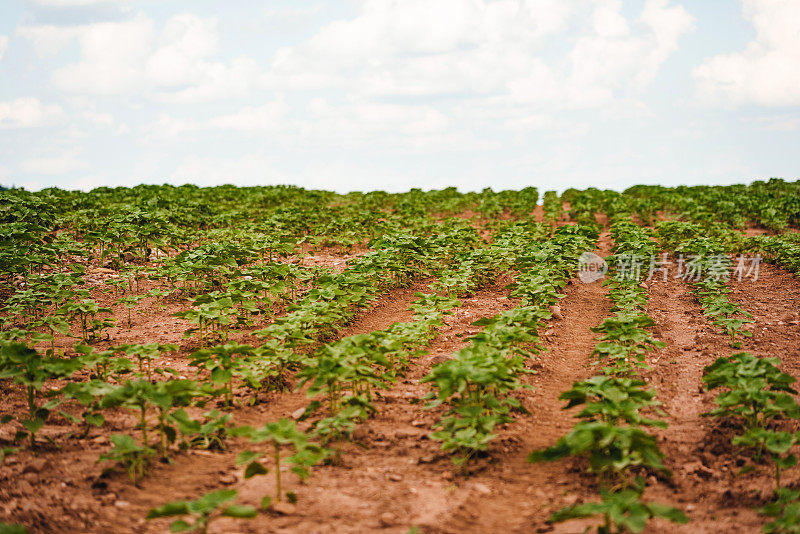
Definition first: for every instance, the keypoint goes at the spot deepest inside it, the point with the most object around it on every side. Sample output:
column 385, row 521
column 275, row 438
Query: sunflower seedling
column 203, row 511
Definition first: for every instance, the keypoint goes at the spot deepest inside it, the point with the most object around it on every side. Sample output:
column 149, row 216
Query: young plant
column 622, row 511
column 145, row 354
column 613, row 400
column 785, row 510
column 30, row 369
column 756, row 390
column 279, row 434
column 612, row 451
column 776, row 444
column 130, row 302
column 133, row 457
column 203, row 511
column 223, row 361
column 86, row 311
column 476, row 383
column 208, row 433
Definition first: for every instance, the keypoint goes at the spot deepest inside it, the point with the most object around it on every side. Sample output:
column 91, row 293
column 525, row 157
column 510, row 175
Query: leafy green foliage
column 786, row 511
column 280, row 433
column 622, row 511
column 755, row 389
column 133, row 457
column 203, row 511
column 30, row 369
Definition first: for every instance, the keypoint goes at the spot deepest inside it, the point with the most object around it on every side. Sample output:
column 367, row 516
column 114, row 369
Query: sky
column 395, row 94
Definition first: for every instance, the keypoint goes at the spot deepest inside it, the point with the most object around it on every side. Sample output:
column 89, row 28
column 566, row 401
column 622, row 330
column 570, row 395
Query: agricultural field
column 274, row 359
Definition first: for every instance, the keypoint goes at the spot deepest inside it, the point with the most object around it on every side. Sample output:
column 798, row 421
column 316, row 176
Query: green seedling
column 209, row 433
column 775, row 444
column 756, row 390
column 279, row 434
column 86, row 311
column 612, row 450
column 785, row 511
column 203, row 511
column 30, row 369
column 133, row 457
column 130, row 302
column 224, row 361
column 622, row 511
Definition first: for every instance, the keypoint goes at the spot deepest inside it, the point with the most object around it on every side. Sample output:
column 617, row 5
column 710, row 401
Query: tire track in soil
column 508, row 494
column 698, row 449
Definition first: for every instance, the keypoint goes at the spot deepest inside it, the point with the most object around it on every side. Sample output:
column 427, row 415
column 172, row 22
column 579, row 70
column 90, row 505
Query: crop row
column 475, row 384
column 612, row 432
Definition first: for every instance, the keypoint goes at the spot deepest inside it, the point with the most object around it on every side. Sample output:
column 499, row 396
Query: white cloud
column 252, row 118
column 112, row 55
column 613, row 60
column 781, row 123
column 248, row 119
column 174, row 66
column 3, row 45
column 484, row 49
column 28, row 113
column 767, row 71
column 47, row 39
column 53, row 165
column 184, row 44
column 168, row 126
column 100, row 120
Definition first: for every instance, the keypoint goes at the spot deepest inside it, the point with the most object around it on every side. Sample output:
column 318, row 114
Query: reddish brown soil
column 393, row 477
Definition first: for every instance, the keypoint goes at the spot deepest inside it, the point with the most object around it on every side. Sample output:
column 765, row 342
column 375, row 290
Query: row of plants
column 476, row 384
column 551, row 206
column 773, row 204
column 344, row 376
column 617, row 407
column 221, row 367
column 758, row 398
column 395, row 262
column 782, row 249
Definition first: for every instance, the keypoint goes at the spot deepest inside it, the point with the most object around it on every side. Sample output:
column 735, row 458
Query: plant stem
column 277, row 471
column 144, row 425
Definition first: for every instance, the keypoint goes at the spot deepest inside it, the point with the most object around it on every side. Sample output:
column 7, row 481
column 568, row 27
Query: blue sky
column 390, row 95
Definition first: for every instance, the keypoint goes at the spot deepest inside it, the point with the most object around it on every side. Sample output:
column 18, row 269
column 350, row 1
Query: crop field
column 274, row 359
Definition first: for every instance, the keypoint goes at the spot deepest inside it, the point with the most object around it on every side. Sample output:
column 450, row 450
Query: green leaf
column 95, row 419
column 240, row 511
column 245, row 457
column 169, row 509
column 5, row 528
column 180, row 526
column 254, row 469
